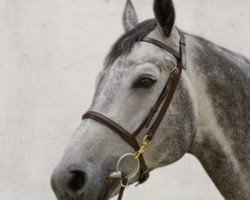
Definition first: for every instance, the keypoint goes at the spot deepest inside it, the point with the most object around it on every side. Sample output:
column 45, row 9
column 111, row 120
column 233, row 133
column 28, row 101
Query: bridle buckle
column 145, row 144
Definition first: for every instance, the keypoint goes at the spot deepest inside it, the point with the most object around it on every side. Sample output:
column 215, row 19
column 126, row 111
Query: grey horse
column 208, row 117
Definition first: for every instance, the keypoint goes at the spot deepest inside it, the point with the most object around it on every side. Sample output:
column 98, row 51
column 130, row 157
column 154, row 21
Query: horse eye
column 144, row 83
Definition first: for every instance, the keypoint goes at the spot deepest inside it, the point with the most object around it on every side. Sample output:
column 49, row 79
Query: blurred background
column 50, row 54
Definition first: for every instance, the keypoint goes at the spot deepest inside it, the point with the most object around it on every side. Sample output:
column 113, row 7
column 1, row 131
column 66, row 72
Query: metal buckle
column 122, row 185
column 175, row 71
column 146, row 142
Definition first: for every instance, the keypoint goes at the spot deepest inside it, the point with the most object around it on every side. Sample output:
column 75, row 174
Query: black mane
column 126, row 42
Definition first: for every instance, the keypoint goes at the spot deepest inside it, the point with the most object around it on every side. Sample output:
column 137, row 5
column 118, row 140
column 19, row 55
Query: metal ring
column 125, row 156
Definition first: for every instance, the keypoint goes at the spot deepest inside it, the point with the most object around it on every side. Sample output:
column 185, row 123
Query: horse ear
column 130, row 19
column 165, row 15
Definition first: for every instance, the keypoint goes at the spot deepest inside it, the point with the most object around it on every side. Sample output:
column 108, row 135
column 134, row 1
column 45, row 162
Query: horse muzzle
column 69, row 183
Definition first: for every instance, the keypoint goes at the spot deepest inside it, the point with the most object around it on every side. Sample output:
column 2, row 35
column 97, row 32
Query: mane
column 126, row 42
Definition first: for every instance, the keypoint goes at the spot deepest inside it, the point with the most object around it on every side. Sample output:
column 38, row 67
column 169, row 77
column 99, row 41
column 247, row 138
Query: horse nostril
column 77, row 181
column 70, row 183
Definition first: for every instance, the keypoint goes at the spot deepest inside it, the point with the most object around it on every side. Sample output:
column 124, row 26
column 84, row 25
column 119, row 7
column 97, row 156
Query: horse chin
column 106, row 192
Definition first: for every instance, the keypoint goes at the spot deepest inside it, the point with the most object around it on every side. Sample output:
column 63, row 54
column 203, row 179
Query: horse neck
column 213, row 145
column 218, row 158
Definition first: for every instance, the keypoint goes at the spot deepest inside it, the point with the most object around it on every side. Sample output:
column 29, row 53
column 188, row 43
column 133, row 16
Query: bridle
column 159, row 107
column 151, row 122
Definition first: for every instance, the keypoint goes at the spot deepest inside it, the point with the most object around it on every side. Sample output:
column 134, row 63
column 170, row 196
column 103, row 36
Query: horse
column 208, row 116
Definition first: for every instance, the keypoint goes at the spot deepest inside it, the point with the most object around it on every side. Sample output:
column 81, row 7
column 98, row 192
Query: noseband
column 153, row 119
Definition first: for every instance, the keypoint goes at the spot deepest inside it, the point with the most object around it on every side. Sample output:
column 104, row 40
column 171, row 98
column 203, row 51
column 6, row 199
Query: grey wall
column 50, row 53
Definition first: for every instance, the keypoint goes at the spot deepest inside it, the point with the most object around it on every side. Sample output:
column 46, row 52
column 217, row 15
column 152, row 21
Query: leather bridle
column 155, row 116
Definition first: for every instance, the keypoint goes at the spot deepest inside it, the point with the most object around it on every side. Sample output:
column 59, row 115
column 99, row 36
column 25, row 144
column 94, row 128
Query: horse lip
column 104, row 194
column 61, row 197
column 106, row 191
column 65, row 197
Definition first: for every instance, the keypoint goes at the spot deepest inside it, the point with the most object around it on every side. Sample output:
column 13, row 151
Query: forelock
column 126, row 42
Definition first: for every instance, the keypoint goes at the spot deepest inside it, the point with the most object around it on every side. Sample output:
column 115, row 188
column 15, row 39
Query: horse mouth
column 104, row 194
column 107, row 190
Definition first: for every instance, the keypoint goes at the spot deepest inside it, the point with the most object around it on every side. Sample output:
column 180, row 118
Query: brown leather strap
column 170, row 87
column 124, row 183
column 162, row 46
column 182, row 49
column 172, row 83
column 162, row 97
column 125, row 135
